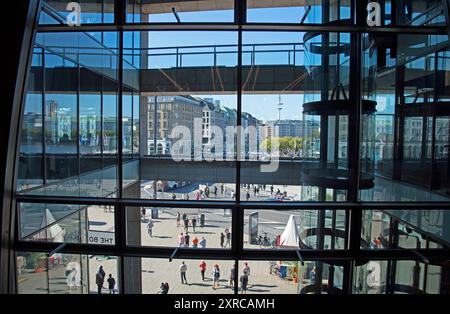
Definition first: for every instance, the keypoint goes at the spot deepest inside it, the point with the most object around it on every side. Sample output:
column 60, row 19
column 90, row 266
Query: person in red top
column 195, row 242
column 203, row 269
column 378, row 242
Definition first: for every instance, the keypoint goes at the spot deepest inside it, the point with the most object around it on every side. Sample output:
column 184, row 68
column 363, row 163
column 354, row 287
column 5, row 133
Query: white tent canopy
column 290, row 236
column 54, row 232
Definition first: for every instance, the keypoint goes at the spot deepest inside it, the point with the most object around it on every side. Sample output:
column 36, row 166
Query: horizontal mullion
column 230, row 204
column 182, row 204
column 394, row 30
column 426, row 30
column 405, row 205
column 307, row 255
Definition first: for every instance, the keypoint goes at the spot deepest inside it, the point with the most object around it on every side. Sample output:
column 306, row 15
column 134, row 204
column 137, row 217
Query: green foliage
column 34, row 260
column 284, row 144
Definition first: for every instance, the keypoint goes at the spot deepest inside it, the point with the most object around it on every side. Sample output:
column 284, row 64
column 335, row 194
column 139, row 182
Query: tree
column 286, row 145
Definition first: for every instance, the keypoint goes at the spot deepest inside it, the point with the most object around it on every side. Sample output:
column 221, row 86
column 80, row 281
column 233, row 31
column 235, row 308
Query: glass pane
column 64, row 12
column 180, row 11
column 179, row 227
column 268, row 277
column 66, row 273
column 67, row 223
column 295, row 89
column 70, row 116
column 409, row 229
column 298, row 11
column 413, row 13
column 31, row 273
column 32, row 137
column 294, row 229
column 371, row 278
column 201, row 276
column 180, row 116
column 404, row 150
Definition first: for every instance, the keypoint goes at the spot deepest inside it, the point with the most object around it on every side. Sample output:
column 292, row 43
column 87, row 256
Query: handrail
column 130, row 52
column 430, row 9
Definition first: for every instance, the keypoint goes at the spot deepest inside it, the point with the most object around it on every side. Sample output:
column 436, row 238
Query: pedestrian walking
column 150, row 228
column 181, row 239
column 71, row 275
column 183, row 270
column 178, row 219
column 271, row 190
column 143, row 213
column 186, row 225
column 162, row 288
column 215, row 191
column 228, row 237
column 244, row 283
column 174, row 197
column 100, row 279
column 203, row 269
column 247, row 196
column 231, row 278
column 184, row 216
column 246, row 269
column 222, row 239
column 194, row 223
column 216, row 276
column 312, row 275
column 111, row 284
column 203, row 243
column 186, row 240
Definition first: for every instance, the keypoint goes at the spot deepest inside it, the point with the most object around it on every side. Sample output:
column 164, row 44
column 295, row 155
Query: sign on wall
column 100, row 237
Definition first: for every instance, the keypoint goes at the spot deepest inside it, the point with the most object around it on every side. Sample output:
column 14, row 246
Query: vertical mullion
column 354, row 125
column 239, row 9
column 119, row 210
column 44, row 157
column 120, row 238
column 78, row 122
column 355, row 220
column 102, row 157
column 238, row 214
column 119, row 17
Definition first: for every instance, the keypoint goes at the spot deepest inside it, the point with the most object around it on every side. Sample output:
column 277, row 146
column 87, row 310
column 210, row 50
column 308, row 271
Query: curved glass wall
column 219, row 127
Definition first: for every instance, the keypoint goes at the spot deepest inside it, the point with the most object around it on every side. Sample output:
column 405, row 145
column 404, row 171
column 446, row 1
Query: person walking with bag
column 216, row 276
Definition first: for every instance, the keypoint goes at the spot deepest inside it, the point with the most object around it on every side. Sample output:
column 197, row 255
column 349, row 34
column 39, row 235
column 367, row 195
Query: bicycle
column 265, row 241
column 274, row 269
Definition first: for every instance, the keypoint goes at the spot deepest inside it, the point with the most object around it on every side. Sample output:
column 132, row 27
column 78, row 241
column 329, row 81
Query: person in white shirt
column 183, row 270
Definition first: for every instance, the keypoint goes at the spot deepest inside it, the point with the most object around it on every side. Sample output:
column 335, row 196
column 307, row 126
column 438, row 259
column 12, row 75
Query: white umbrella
column 290, row 237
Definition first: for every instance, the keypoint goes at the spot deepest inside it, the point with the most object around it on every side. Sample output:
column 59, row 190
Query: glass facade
column 283, row 141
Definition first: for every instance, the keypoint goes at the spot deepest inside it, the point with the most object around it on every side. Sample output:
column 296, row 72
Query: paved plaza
column 166, row 232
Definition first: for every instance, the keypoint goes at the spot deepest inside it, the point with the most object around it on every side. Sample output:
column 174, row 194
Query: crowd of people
column 216, row 275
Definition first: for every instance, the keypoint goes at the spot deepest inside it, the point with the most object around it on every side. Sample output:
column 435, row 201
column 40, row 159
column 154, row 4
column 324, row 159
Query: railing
column 220, row 55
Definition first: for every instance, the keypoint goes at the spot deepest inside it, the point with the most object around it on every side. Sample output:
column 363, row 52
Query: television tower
column 280, row 107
